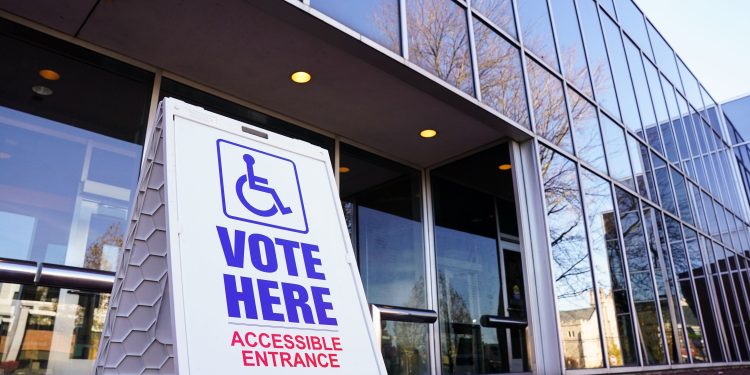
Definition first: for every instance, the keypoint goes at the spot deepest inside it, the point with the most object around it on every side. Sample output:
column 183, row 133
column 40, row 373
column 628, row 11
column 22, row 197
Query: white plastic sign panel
column 263, row 275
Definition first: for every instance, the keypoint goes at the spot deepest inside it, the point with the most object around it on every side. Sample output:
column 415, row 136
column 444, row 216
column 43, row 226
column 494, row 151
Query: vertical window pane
column 438, row 41
column 623, row 82
column 375, row 19
column 692, row 90
column 662, row 182
column 618, row 157
column 606, row 256
column 500, row 74
column 571, row 45
column 405, row 348
column 633, row 22
column 718, row 263
column 598, row 61
column 641, row 280
column 664, row 54
column 649, row 173
column 536, row 28
column 642, row 92
column 710, row 320
column 500, row 12
column 383, row 211
column 639, row 165
column 548, row 101
column 683, row 201
column 571, row 265
column 588, row 137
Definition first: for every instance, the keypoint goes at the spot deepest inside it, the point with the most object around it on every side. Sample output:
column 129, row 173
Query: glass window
column 383, row 211
column 49, row 330
column 651, row 194
column 536, row 28
column 609, row 6
column 438, row 41
column 618, row 157
column 623, row 82
column 500, row 12
column 677, row 125
column 641, row 279
column 382, row 207
column 500, row 74
column 683, row 200
column 664, row 54
column 699, row 213
column 692, row 90
column 632, row 21
column 375, row 19
column 601, row 75
column 586, row 131
column 639, row 165
column 472, row 201
column 548, row 102
column 70, row 158
column 571, row 266
column 645, row 106
column 662, row 116
column 571, row 45
column 662, row 182
column 609, row 271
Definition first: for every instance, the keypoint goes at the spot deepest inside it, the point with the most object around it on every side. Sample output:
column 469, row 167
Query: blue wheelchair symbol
column 258, row 184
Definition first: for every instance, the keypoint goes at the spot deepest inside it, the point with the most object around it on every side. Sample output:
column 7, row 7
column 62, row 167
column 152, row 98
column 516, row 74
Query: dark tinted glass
column 536, row 28
column 499, row 12
column 438, row 41
column 571, row 45
column 375, row 19
column 571, row 267
column 500, row 74
column 588, row 137
column 601, row 75
column 621, row 75
column 548, row 103
column 710, row 320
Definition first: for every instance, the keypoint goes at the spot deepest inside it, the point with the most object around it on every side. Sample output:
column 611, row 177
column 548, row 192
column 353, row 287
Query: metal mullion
column 524, row 70
column 430, row 271
column 597, row 302
column 720, row 288
column 740, row 316
column 626, row 266
column 694, row 292
column 705, row 246
column 652, row 272
column 337, row 162
column 404, row 30
column 741, row 299
column 473, row 54
column 496, row 28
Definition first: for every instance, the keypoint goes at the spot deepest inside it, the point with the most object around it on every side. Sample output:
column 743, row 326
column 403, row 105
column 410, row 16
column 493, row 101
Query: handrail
column 18, row 271
column 494, row 321
column 55, row 275
column 405, row 314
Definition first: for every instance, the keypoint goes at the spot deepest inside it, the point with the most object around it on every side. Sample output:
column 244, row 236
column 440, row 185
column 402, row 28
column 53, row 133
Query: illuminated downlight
column 428, row 133
column 49, row 74
column 504, row 167
column 301, row 77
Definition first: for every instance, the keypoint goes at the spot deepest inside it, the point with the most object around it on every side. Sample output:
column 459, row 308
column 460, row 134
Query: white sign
column 263, row 276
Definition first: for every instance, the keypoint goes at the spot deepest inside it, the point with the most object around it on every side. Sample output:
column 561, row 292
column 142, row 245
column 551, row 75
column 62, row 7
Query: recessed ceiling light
column 428, row 133
column 344, row 169
column 49, row 74
column 504, row 167
column 42, row 90
column 301, row 77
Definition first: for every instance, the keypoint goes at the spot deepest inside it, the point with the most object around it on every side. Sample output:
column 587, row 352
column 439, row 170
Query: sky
column 711, row 36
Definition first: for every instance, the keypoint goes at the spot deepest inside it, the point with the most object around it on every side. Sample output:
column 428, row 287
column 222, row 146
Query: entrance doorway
column 481, row 292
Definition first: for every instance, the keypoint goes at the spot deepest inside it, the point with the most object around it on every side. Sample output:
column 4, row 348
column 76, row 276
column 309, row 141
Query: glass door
column 481, row 294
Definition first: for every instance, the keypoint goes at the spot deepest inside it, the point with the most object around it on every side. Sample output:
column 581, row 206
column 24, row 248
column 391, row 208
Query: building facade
column 578, row 210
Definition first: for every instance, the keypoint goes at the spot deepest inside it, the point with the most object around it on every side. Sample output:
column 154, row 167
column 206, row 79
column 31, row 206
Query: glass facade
column 640, row 176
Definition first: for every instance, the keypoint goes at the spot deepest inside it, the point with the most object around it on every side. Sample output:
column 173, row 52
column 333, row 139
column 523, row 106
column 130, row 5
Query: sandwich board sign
column 237, row 259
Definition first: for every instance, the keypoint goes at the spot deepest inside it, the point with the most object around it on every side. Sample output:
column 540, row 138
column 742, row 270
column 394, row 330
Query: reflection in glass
column 633, row 22
column 598, row 61
column 70, row 204
column 618, row 157
column 536, row 28
column 500, row 12
column 642, row 92
column 548, row 102
column 438, row 41
column 639, row 165
column 472, row 198
column 717, row 263
column 49, row 330
column 405, row 348
column 500, row 74
column 649, row 175
column 683, row 201
column 588, row 137
column 661, row 171
column 664, row 54
column 607, row 260
column 686, row 258
column 375, row 19
column 383, row 212
column 641, row 279
column 621, row 75
column 571, row 45
column 571, row 266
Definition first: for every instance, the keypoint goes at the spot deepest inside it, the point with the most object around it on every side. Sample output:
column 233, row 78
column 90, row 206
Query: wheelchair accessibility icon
column 259, row 187
column 259, row 184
